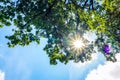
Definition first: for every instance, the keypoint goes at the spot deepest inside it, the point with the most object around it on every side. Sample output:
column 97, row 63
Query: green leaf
column 8, row 23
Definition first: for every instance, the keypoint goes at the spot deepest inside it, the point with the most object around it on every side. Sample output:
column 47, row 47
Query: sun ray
column 76, row 44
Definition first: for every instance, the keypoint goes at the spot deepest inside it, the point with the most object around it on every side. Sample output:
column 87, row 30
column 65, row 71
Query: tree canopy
column 62, row 22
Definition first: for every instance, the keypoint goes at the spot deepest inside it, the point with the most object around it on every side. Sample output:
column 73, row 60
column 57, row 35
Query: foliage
column 56, row 20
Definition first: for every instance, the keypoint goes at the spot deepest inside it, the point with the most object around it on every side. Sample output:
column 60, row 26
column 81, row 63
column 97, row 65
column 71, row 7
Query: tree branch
column 85, row 3
column 76, row 6
column 91, row 4
column 82, row 7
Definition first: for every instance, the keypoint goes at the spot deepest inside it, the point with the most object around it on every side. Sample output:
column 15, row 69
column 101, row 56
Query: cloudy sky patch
column 109, row 71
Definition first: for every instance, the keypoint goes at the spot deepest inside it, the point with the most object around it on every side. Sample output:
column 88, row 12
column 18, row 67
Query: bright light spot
column 2, row 75
column 78, row 43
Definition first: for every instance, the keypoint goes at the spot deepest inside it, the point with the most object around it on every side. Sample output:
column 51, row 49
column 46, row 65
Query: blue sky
column 32, row 63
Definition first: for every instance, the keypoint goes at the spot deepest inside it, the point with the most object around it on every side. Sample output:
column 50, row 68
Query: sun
column 78, row 43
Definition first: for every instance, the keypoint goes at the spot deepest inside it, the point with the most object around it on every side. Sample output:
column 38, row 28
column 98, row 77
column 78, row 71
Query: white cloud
column 2, row 75
column 77, row 70
column 109, row 71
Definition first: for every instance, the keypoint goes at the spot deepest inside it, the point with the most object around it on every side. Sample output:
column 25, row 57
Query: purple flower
column 106, row 49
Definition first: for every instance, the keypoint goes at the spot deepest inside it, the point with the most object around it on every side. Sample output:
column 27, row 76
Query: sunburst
column 76, row 43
